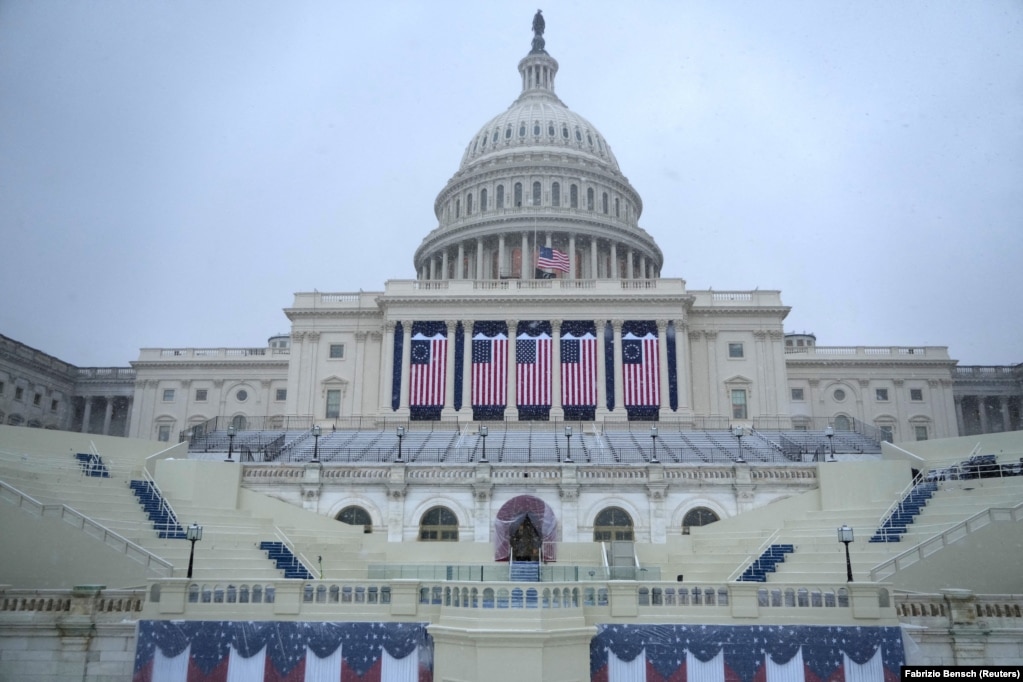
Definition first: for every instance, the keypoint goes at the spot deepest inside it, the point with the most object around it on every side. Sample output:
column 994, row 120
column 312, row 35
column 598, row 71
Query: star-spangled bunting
column 746, row 649
column 210, row 645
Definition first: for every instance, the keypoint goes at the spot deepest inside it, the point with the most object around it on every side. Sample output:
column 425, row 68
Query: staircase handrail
column 164, row 504
column 750, row 558
column 159, row 565
column 899, row 499
column 286, row 541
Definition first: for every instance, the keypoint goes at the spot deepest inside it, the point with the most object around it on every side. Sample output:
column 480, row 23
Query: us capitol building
column 538, row 459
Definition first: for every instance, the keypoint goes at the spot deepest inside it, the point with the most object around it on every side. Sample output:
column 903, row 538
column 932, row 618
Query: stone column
column 629, row 271
column 460, row 265
column 982, row 411
column 1004, row 405
column 683, row 367
column 642, row 268
column 960, row 422
column 571, row 256
column 387, row 365
column 500, row 257
column 360, row 372
column 313, row 356
column 406, row 356
column 109, row 411
column 710, row 339
column 87, row 413
column 444, row 264
column 601, row 370
column 511, row 411
column 557, row 404
column 614, row 261
column 479, row 258
column 525, row 268
column 467, row 367
column 662, row 363
column 449, row 372
column 619, row 393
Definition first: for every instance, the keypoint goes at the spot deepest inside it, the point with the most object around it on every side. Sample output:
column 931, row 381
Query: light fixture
column 568, row 442
column 316, row 443
column 401, row 434
column 830, row 433
column 738, row 432
column 845, row 536
column 194, row 534
column 653, row 450
column 483, row 434
column 230, row 442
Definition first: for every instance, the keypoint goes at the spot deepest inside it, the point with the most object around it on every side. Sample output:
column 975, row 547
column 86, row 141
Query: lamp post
column 568, row 444
column 653, row 449
column 830, row 433
column 316, row 443
column 738, row 433
column 483, row 434
column 194, row 534
column 230, row 442
column 401, row 434
column 845, row 536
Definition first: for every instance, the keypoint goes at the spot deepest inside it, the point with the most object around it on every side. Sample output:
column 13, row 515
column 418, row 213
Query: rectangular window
column 163, row 433
column 333, row 404
column 735, row 350
column 282, row 395
column 37, row 399
column 888, row 433
column 881, row 394
column 337, row 351
column 201, row 395
column 19, row 393
column 797, row 394
column 54, row 404
column 168, row 395
column 738, row 403
column 921, row 432
column 916, row 394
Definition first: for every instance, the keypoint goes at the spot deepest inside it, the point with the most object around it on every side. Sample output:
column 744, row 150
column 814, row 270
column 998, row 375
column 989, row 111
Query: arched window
column 564, row 131
column 483, row 142
column 536, row 194
column 239, row 422
column 354, row 516
column 550, row 130
column 700, row 516
column 578, row 135
column 555, row 194
column 468, row 204
column 536, row 128
column 439, row 524
column 522, row 130
column 573, row 196
column 612, row 523
column 458, row 208
column 604, row 203
column 500, row 196
column 842, row 423
column 518, row 195
column 618, row 211
column 507, row 132
column 483, row 200
column 589, row 198
column 496, row 135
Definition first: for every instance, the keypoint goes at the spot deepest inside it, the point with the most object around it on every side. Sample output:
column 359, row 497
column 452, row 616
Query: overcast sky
column 172, row 172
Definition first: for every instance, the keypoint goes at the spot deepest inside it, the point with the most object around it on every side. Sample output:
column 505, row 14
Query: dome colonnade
column 538, row 175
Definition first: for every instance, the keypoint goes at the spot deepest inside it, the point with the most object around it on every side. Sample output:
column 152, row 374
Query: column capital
column 313, row 336
column 513, row 326
column 662, row 325
column 556, row 326
column 297, row 337
column 389, row 326
column 360, row 336
column 760, row 334
column 695, row 334
column 451, row 324
column 467, row 325
column 617, row 325
column 376, row 335
column 711, row 334
column 407, row 324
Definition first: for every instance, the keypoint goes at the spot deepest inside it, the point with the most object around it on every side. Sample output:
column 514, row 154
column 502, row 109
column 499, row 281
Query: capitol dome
column 538, row 181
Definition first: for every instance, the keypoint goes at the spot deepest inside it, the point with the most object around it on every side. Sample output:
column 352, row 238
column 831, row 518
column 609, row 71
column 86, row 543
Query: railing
column 64, row 601
column 901, row 352
column 149, row 354
column 153, row 563
column 127, row 373
column 985, row 372
column 940, row 610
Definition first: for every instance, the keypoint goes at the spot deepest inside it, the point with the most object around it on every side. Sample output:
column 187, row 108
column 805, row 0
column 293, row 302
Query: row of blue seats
column 767, row 563
column 896, row 525
column 92, row 465
column 283, row 558
column 163, row 520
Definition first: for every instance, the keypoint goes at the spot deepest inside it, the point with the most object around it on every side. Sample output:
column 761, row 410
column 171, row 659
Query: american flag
column 258, row 651
column 489, row 369
column 579, row 370
column 428, row 369
column 641, row 379
column 533, row 370
column 552, row 259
